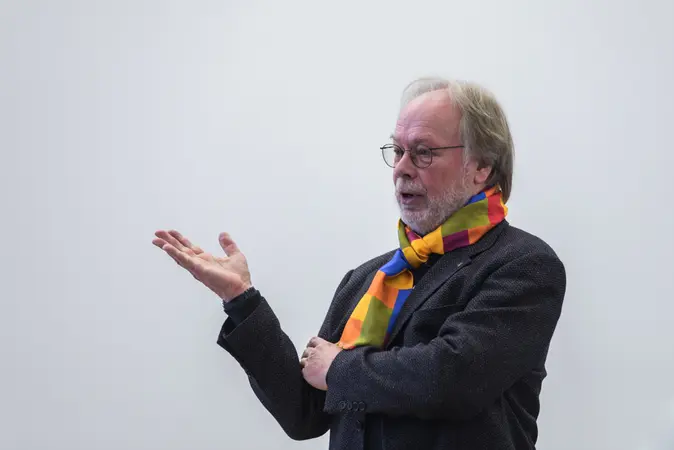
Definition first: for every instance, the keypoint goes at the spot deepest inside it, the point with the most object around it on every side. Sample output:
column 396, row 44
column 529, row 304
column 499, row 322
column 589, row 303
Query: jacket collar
column 441, row 272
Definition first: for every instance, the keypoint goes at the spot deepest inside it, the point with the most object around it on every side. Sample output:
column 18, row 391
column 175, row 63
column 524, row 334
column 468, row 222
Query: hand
column 228, row 277
column 316, row 360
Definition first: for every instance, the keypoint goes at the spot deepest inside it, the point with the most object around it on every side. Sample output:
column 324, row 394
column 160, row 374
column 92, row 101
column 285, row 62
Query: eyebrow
column 416, row 141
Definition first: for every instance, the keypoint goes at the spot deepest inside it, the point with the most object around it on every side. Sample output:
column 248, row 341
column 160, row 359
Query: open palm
column 227, row 276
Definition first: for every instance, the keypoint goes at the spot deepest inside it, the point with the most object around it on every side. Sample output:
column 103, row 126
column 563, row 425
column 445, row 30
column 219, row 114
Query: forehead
column 430, row 117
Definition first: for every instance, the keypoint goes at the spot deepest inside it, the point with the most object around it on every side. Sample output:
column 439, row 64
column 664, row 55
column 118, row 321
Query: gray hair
column 484, row 128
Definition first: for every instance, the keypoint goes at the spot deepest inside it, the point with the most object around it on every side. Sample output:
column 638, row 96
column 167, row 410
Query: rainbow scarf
column 373, row 319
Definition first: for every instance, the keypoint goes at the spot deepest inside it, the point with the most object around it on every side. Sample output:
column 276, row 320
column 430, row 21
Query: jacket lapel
column 372, row 268
column 440, row 273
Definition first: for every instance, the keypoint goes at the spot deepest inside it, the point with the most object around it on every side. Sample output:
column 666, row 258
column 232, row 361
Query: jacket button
column 342, row 405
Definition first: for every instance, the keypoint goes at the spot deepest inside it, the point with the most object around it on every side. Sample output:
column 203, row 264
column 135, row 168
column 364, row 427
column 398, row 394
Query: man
column 440, row 344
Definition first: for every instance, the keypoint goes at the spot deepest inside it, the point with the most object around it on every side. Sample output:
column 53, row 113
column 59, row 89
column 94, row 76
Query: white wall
column 264, row 119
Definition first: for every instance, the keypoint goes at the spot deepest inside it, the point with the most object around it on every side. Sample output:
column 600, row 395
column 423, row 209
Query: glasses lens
column 391, row 154
column 422, row 157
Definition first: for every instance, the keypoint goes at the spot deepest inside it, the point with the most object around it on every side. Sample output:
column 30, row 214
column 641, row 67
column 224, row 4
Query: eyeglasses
column 422, row 157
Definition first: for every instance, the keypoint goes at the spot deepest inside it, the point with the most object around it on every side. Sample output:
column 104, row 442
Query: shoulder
column 365, row 269
column 375, row 263
column 515, row 254
column 522, row 257
column 357, row 275
column 513, row 243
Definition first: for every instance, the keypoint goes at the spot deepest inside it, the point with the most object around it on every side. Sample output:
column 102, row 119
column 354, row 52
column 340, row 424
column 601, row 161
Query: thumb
column 228, row 244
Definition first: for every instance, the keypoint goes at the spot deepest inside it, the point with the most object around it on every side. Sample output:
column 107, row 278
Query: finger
column 315, row 341
column 303, row 363
column 228, row 244
column 167, row 248
column 308, row 352
column 159, row 242
column 181, row 258
column 166, row 237
column 186, row 242
column 171, row 240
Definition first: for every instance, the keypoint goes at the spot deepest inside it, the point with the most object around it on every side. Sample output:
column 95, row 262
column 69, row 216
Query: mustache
column 409, row 187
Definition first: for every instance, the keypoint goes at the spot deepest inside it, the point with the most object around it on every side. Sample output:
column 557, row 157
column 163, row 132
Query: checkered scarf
column 373, row 318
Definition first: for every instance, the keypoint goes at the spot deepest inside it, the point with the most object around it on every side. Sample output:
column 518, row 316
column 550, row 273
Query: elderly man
column 439, row 344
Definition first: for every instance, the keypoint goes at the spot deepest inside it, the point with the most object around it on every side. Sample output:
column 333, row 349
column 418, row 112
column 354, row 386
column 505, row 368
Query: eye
column 423, row 152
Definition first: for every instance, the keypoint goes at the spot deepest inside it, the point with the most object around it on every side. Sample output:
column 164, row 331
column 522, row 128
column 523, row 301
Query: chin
column 436, row 211
column 418, row 221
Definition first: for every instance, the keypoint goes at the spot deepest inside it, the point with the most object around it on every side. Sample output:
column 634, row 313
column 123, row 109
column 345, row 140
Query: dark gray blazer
column 463, row 369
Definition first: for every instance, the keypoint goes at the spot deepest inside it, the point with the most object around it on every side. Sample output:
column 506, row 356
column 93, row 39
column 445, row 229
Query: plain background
column 264, row 119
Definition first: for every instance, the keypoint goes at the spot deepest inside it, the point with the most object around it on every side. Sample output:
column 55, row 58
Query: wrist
column 244, row 292
column 239, row 308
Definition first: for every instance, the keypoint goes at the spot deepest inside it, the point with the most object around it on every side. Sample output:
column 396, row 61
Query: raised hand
column 227, row 276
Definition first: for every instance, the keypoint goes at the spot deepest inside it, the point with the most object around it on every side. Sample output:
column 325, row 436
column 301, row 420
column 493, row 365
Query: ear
column 482, row 174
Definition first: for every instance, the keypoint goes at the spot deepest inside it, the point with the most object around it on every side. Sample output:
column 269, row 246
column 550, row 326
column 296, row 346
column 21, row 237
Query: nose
column 405, row 167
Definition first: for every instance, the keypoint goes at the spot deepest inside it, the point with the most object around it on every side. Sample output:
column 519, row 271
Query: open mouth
column 409, row 198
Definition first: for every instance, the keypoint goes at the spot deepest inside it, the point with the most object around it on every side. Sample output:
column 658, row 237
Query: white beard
column 438, row 209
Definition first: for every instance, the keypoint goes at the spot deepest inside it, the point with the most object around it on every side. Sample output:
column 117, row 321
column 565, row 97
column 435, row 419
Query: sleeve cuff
column 239, row 308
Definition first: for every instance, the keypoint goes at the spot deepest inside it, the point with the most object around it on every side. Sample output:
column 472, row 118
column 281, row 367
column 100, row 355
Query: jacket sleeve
column 271, row 363
column 502, row 334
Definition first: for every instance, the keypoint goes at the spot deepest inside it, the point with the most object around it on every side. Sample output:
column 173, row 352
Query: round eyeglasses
column 422, row 157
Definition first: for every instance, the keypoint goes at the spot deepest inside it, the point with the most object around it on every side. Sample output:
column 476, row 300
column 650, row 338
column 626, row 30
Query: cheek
column 440, row 181
column 435, row 181
column 426, row 181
